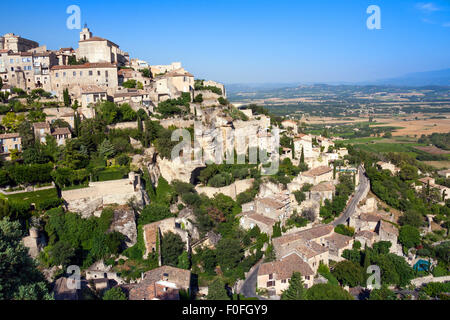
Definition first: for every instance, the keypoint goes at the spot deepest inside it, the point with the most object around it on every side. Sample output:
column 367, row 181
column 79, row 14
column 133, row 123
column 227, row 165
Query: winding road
column 360, row 193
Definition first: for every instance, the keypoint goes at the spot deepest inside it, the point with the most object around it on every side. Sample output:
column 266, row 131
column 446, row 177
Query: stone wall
column 231, row 191
column 88, row 200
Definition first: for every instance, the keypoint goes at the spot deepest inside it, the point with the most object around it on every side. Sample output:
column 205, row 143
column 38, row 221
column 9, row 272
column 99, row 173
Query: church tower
column 85, row 34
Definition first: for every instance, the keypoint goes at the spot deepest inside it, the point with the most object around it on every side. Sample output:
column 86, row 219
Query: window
column 98, row 73
column 270, row 283
column 11, row 60
column 271, row 276
column 64, row 74
column 81, row 73
column 56, row 75
column 74, row 73
column 106, row 73
column 283, row 281
column 90, row 73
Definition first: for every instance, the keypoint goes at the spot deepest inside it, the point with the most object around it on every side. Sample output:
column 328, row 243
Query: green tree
column 296, row 290
column 348, row 273
column 229, row 253
column 409, row 236
column 326, row 291
column 19, row 277
column 384, row 293
column 217, row 291
column 172, row 246
column 115, row 293
column 106, row 149
column 11, row 121
column 66, row 97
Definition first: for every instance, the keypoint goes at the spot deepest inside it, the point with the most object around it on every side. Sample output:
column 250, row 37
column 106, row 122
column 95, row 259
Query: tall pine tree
column 296, row 290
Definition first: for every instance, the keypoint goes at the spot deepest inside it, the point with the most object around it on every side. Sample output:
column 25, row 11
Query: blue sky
column 243, row 41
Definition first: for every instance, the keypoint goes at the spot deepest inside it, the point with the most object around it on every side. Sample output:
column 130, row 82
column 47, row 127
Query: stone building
column 388, row 166
column 99, row 50
column 163, row 283
column 9, row 142
column 316, row 175
column 322, row 191
column 16, row 43
column 290, row 125
column 92, row 94
column 251, row 219
column 303, row 142
column 75, row 77
column 274, row 276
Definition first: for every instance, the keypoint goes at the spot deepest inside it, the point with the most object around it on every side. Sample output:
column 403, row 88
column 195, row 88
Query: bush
column 47, row 204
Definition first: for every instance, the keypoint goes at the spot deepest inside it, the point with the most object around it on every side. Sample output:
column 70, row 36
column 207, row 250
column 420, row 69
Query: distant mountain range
column 428, row 78
column 418, row 79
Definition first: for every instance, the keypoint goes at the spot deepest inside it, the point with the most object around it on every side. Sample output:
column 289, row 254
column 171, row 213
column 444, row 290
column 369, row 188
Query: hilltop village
column 87, row 172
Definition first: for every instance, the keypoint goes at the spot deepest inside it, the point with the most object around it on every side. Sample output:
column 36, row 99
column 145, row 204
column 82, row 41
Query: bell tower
column 85, row 34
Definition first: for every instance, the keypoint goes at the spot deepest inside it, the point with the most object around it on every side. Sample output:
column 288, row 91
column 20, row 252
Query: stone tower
column 85, row 34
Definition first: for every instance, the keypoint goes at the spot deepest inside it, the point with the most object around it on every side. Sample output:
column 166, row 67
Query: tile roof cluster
column 308, row 234
column 59, row 131
column 272, row 203
column 284, row 268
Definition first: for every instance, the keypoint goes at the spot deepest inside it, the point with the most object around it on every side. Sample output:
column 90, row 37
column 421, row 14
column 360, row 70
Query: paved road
column 248, row 289
column 350, row 210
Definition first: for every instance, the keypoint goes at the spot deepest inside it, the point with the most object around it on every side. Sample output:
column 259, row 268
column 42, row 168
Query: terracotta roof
column 317, row 171
column 426, row 180
column 5, row 51
column 129, row 94
column 324, row 186
column 370, row 217
column 269, row 202
column 153, row 291
column 181, row 277
column 309, row 249
column 9, row 135
column 86, row 66
column 98, row 39
column 260, row 218
column 284, row 268
column 339, row 240
column 388, row 227
column 92, row 89
column 177, row 73
column 365, row 234
column 41, row 125
column 307, row 234
column 61, row 131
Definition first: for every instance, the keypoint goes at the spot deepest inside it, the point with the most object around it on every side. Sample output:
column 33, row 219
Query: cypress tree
column 296, row 290
column 302, row 157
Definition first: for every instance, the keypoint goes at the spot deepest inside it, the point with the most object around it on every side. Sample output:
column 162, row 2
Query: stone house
column 336, row 244
column 366, row 237
column 163, row 283
column 303, row 142
column 66, row 114
column 9, row 142
column 248, row 220
column 388, row 166
column 444, row 173
column 274, row 276
column 135, row 98
column 16, row 43
column 322, row 191
column 41, row 129
column 92, row 94
column 388, row 232
column 317, row 175
column 290, row 124
column 61, row 135
column 276, row 208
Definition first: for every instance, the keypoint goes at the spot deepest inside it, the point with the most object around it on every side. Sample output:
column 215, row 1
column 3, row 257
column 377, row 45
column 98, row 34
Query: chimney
column 165, row 277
